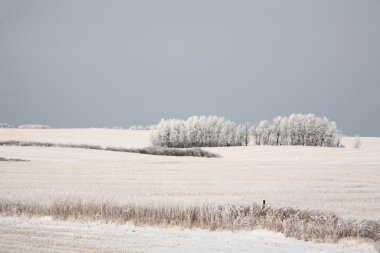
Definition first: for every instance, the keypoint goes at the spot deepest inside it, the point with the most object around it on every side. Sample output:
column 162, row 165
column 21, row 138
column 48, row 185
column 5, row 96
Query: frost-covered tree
column 5, row 125
column 228, row 133
column 357, row 142
column 176, row 135
column 243, row 133
column 212, row 131
column 276, row 130
column 298, row 129
column 139, row 127
column 162, row 134
column 200, row 131
column 284, row 131
column 33, row 126
column 263, row 132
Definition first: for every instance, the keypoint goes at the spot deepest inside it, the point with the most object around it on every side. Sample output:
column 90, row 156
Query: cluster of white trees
column 200, row 131
column 34, row 126
column 298, row 129
column 213, row 131
column 27, row 126
column 5, row 125
column 140, row 127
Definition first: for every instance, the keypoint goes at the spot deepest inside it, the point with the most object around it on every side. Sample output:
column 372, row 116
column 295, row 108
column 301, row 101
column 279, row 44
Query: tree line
column 200, row 131
column 298, row 129
column 213, row 131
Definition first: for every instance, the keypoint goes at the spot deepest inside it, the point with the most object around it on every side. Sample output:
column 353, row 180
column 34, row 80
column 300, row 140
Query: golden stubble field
column 343, row 180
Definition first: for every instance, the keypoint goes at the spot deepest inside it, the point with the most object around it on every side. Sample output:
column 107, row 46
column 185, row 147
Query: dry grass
column 2, row 159
column 197, row 152
column 300, row 224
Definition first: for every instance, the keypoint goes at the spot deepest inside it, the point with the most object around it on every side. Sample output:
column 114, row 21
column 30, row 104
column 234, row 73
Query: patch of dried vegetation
column 3, row 159
column 197, row 152
column 296, row 223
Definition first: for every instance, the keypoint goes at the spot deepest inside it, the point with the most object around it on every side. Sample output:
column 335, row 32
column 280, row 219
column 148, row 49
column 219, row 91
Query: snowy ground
column 91, row 136
column 342, row 180
column 46, row 235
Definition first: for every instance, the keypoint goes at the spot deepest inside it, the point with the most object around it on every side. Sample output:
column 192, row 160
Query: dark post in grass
column 263, row 204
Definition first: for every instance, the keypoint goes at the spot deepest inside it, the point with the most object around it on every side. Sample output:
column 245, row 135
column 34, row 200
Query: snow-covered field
column 342, row 180
column 46, row 235
column 91, row 136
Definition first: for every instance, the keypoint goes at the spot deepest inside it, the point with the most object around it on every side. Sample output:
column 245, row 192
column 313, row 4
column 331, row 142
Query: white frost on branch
column 213, row 131
column 200, row 131
column 298, row 129
column 357, row 142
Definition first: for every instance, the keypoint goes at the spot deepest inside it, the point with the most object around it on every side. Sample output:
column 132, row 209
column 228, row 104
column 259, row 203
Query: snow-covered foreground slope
column 46, row 235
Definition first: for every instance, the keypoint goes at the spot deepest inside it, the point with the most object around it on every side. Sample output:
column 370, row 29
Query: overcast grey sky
column 89, row 63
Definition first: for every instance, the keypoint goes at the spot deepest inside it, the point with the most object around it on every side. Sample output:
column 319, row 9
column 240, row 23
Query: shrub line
column 3, row 159
column 197, row 152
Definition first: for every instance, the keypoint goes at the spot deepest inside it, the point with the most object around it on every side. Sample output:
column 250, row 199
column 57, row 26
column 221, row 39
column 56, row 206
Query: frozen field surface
column 342, row 180
column 345, row 181
column 91, row 136
column 46, row 235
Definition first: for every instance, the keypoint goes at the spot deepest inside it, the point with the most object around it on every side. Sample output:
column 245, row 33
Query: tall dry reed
column 300, row 224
